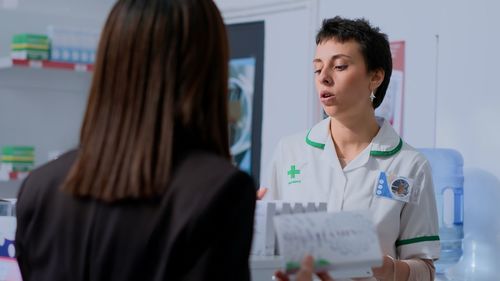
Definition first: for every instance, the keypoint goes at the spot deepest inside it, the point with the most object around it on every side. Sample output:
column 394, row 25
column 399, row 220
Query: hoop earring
column 372, row 96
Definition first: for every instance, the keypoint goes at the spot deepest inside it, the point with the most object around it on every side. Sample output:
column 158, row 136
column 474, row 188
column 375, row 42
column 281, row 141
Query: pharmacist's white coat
column 305, row 168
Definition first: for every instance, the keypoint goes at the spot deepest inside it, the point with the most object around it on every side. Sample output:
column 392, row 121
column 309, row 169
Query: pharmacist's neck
column 352, row 136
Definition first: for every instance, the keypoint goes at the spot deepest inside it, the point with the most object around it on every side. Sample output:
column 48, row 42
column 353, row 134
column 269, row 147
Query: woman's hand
column 261, row 193
column 305, row 273
column 386, row 271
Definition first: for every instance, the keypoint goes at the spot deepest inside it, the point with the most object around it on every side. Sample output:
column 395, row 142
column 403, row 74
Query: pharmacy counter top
column 263, row 268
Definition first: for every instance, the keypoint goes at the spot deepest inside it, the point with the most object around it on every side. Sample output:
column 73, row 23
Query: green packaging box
column 13, row 150
column 30, row 46
column 33, row 39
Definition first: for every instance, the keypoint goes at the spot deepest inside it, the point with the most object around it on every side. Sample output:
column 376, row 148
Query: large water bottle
column 447, row 174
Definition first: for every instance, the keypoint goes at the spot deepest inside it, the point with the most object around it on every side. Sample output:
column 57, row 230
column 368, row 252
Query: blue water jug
column 448, row 177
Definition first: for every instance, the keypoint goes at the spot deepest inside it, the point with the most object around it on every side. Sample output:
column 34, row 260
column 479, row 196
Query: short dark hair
column 160, row 83
column 373, row 43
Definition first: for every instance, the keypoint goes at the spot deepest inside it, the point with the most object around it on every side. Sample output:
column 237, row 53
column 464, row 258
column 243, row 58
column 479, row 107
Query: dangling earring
column 372, row 96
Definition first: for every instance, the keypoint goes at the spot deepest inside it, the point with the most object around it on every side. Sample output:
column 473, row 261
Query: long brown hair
column 160, row 79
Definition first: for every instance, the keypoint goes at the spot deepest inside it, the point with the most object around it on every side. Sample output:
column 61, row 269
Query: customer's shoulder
column 204, row 165
column 207, row 175
column 42, row 183
column 53, row 171
column 200, row 159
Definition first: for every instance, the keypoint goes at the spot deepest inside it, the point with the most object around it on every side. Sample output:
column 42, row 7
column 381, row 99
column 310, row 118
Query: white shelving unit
column 6, row 63
column 19, row 74
column 41, row 104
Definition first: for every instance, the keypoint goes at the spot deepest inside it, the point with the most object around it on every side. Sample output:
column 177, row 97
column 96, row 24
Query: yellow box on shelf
column 17, row 159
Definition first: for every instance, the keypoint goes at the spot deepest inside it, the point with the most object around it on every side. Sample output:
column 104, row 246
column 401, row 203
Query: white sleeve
column 272, row 180
column 419, row 230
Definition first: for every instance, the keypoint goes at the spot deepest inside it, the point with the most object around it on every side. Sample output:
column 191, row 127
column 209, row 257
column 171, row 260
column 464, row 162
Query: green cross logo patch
column 292, row 175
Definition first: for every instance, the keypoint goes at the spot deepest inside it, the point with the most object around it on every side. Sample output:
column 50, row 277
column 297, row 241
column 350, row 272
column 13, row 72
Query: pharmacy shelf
column 9, row 189
column 42, row 104
column 44, row 76
column 45, row 64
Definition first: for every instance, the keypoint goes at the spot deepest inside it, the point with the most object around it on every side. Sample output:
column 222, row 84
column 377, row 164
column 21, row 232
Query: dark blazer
column 200, row 229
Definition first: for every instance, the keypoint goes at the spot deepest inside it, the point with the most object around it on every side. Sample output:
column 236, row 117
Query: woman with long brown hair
column 150, row 193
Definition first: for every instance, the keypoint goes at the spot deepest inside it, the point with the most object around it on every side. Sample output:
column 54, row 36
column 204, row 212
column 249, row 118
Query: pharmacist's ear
column 376, row 79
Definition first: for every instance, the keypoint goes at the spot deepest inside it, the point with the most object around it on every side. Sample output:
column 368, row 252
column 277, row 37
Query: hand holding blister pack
column 345, row 243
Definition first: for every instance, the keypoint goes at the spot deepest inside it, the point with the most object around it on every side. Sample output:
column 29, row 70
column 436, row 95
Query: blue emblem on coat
column 383, row 187
column 393, row 187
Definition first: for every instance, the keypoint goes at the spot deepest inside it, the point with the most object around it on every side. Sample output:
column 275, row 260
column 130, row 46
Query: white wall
column 468, row 99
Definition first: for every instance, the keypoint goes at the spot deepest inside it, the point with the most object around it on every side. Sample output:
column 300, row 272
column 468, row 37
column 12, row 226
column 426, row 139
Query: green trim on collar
column 389, row 152
column 417, row 240
column 314, row 144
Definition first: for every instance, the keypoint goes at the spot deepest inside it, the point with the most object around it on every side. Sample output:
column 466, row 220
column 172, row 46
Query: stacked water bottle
column 447, row 174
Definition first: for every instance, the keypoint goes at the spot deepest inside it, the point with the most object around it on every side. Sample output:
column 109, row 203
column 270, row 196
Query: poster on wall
column 392, row 106
column 246, row 44
column 241, row 91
